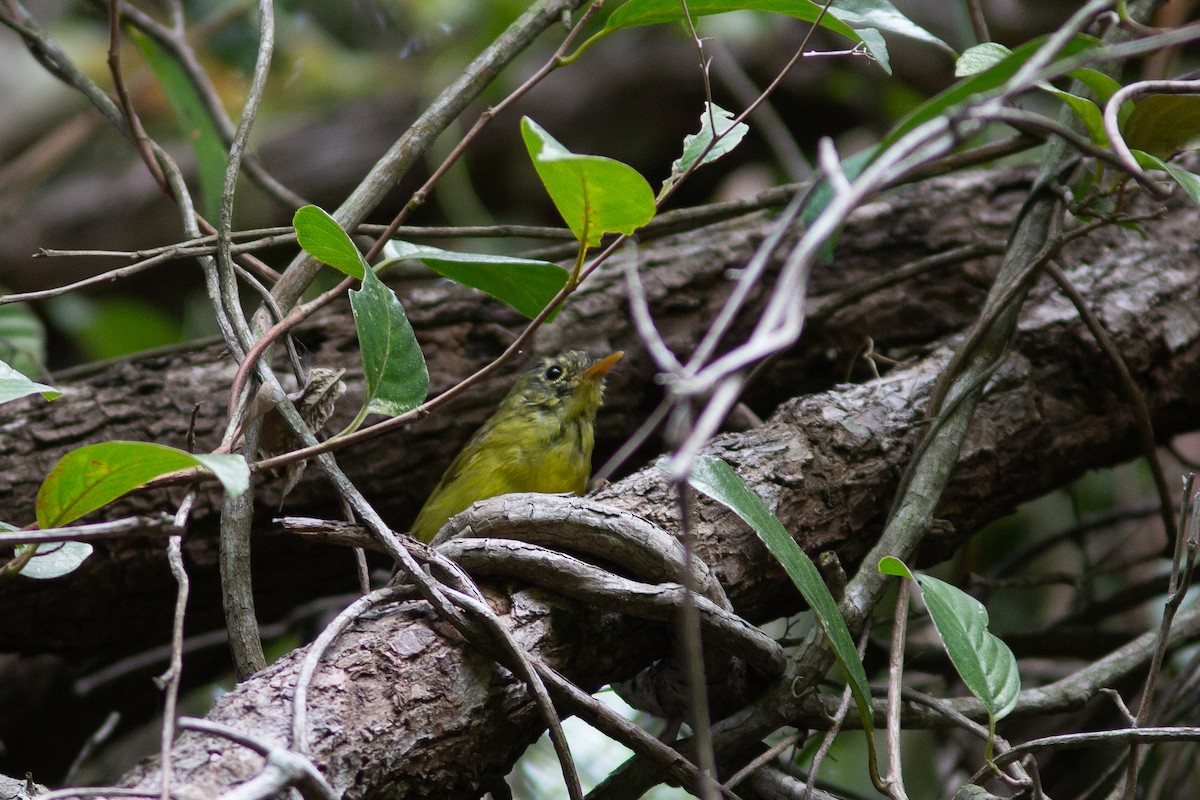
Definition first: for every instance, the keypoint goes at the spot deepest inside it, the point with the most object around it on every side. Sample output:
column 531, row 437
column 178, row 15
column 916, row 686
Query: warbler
column 539, row 440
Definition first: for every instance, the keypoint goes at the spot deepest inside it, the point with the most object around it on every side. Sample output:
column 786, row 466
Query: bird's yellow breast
column 539, row 440
column 532, row 453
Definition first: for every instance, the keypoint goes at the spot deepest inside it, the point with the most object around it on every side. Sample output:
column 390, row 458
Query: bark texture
column 686, row 280
column 401, row 707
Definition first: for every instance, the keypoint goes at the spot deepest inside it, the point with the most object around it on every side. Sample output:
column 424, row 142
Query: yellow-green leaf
column 92, row 476
column 595, row 195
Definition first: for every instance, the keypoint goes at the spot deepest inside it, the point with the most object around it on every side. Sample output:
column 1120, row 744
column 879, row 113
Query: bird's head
column 569, row 384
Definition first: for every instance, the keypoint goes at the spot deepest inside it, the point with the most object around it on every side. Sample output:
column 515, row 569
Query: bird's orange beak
column 599, row 369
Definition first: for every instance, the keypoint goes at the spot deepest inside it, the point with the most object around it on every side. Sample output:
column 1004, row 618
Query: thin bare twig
column 284, row 769
column 98, row 738
column 94, row 791
column 768, row 121
column 835, row 727
column 767, row 756
column 237, row 513
column 170, row 680
column 895, row 775
column 521, row 662
column 141, row 141
column 1182, row 564
column 978, row 21
column 1112, row 127
column 693, row 650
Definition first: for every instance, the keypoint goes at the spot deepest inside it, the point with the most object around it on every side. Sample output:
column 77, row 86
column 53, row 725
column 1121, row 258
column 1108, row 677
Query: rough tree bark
column 153, row 398
column 404, row 709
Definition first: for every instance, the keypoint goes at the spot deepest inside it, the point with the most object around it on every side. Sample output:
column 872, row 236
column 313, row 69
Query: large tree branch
column 152, row 398
column 404, row 708
column 685, row 281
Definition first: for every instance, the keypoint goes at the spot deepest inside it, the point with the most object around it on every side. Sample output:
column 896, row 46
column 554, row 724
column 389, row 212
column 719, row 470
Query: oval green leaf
column 882, row 15
column 1164, row 124
column 975, row 60
column 323, row 238
column 14, row 385
column 393, row 366
column 93, row 476
column 983, row 661
column 526, row 284
column 198, row 127
column 653, row 12
column 1188, row 181
column 594, row 195
column 890, row 565
column 54, row 560
column 715, row 478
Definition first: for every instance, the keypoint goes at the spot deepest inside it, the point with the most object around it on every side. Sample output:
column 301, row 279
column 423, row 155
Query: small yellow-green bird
column 539, row 440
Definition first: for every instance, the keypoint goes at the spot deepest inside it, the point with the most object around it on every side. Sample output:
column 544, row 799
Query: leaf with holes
column 717, row 129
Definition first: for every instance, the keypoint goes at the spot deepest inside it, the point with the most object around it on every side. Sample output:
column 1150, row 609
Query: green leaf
column 198, row 127
column 890, row 565
column 595, row 195
column 694, row 144
column 985, row 664
column 1087, row 111
column 715, row 478
column 393, row 366
column 882, row 15
column 90, row 477
column 991, row 78
column 54, row 560
column 1103, row 86
column 231, row 470
column 323, row 238
column 1188, row 181
column 653, row 12
column 1164, row 124
column 875, row 45
column 975, row 60
column 526, row 284
column 14, row 384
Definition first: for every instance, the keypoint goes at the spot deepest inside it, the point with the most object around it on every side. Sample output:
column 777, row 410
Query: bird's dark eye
column 554, row 372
